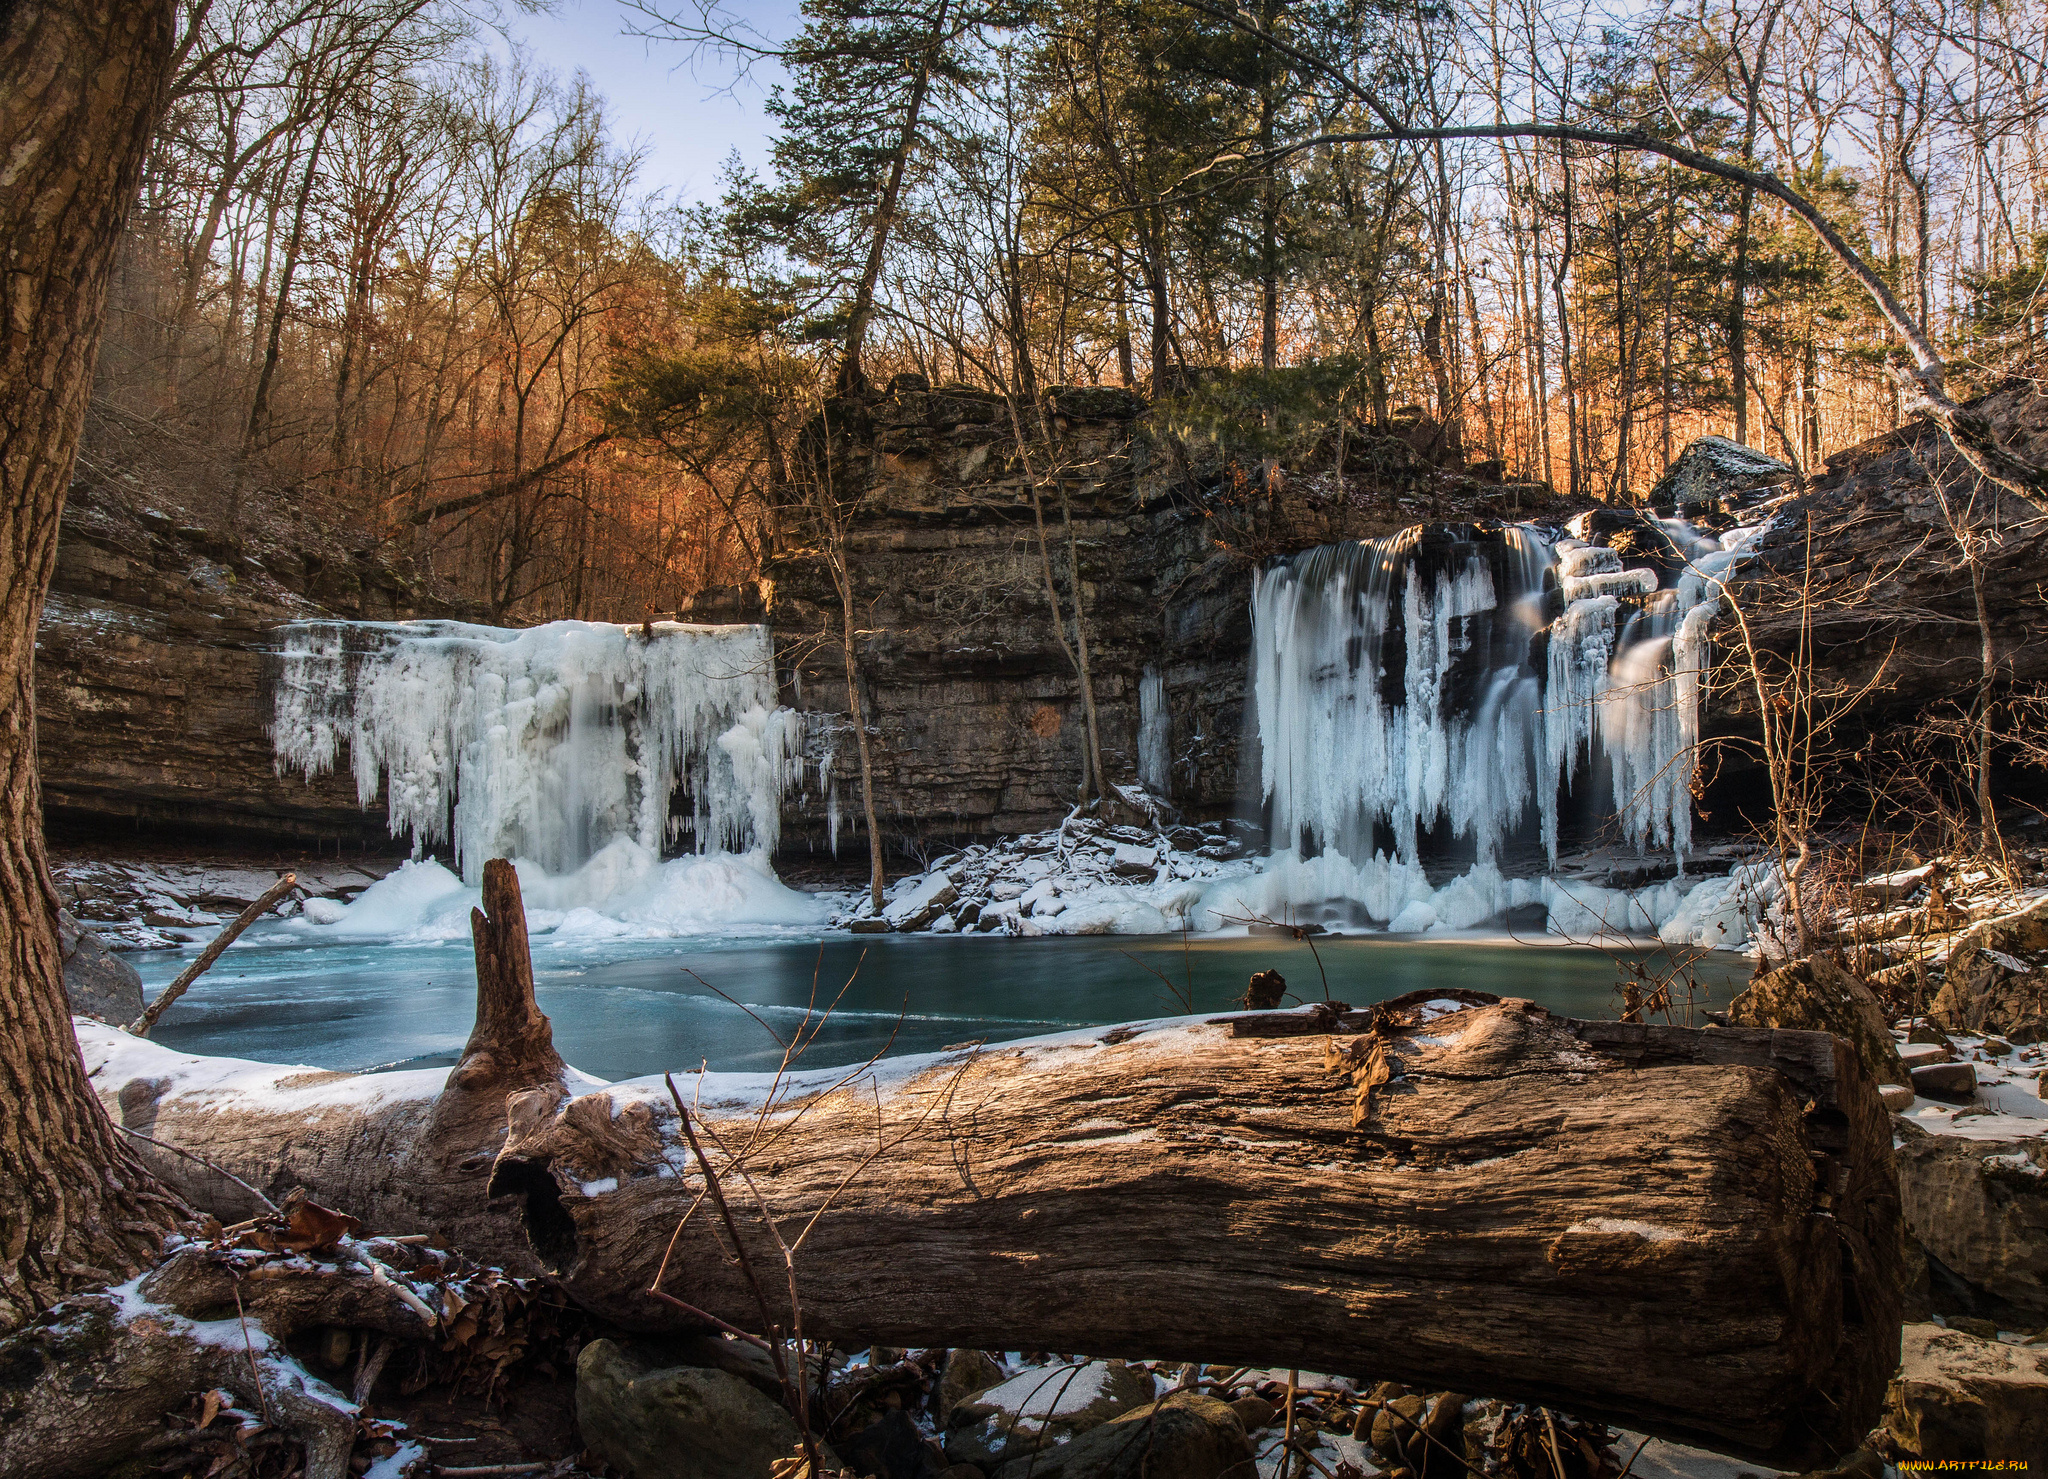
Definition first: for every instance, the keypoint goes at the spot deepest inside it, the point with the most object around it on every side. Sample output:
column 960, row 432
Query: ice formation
column 550, row 745
column 1155, row 733
column 1460, row 683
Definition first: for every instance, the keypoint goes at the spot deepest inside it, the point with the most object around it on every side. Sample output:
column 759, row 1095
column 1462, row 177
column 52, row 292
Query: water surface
column 625, row 1008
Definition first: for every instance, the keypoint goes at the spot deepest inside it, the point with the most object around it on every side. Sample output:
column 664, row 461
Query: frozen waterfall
column 549, row 744
column 1464, row 685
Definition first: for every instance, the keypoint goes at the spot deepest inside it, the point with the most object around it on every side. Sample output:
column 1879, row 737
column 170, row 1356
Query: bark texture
column 79, row 88
column 91, row 1380
column 405, row 1152
column 1696, row 1233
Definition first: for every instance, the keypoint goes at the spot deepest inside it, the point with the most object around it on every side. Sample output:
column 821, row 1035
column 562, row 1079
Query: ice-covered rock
column 1088, row 877
column 1039, row 1407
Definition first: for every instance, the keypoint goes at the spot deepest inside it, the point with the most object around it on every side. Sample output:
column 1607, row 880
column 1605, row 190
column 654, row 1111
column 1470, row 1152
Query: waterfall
column 548, row 744
column 1463, row 683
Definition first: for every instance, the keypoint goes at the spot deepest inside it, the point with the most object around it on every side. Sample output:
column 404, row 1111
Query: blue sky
column 688, row 113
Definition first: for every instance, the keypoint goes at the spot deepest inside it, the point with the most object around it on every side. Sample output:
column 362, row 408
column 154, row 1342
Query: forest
column 1211, row 740
column 384, row 271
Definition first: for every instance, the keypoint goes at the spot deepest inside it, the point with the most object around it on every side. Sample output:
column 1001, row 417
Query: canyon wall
column 156, row 654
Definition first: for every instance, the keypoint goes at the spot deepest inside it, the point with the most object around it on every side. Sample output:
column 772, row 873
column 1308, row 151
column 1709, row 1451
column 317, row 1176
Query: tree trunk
column 1695, row 1233
column 80, row 84
column 407, row 1152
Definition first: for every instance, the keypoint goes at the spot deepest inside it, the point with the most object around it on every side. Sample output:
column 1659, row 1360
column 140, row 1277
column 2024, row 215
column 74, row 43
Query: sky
column 688, row 113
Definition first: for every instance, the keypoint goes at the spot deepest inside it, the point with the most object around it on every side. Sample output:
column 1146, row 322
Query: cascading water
column 562, row 746
column 1455, row 685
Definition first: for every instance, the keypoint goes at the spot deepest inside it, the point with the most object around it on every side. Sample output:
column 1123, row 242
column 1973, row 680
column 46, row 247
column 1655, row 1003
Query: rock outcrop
column 153, row 662
column 99, row 983
column 1959, row 1396
column 1997, row 978
column 153, row 699
column 1980, row 1207
column 1816, row 995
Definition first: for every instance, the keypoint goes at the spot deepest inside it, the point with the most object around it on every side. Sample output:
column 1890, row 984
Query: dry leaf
column 312, row 1228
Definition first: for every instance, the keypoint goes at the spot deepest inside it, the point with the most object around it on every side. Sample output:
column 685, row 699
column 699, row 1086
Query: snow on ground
column 625, row 891
column 1085, row 877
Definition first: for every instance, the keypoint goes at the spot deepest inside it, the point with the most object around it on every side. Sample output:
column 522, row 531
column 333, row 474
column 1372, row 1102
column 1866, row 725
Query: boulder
column 1712, row 469
column 99, row 983
column 1997, row 978
column 1981, row 1208
column 965, row 1373
column 891, row 1447
column 1187, row 1436
column 1952, row 1081
column 655, row 1420
column 1039, row 1407
column 1816, row 995
column 1961, row 1397
column 919, row 906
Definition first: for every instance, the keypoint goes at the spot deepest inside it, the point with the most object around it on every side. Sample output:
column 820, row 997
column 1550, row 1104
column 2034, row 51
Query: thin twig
column 212, row 1166
column 248, row 1345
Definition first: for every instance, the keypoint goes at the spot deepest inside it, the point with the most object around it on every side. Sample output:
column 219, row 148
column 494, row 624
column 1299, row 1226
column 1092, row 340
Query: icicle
column 1155, row 733
column 545, row 744
column 1453, row 725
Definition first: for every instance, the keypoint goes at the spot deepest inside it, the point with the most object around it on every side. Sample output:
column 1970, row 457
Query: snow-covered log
column 405, row 1152
column 1692, row 1232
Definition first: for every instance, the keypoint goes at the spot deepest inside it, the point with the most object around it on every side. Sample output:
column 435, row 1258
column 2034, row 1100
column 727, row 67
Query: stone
column 98, row 982
column 655, row 1420
column 1816, row 995
column 1895, row 1096
column 1926, row 1032
column 1981, row 1208
column 870, row 926
column 1187, row 1436
column 1960, row 1397
column 1712, row 469
column 891, row 1447
column 1254, row 1412
column 1955, row 1081
column 1997, row 978
column 1039, row 1407
column 965, row 1374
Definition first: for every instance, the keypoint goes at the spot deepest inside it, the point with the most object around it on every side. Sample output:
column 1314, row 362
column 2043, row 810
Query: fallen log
column 1695, row 1233
column 408, row 1152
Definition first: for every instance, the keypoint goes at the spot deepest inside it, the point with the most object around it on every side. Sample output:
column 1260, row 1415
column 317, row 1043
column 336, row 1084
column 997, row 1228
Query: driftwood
column 1692, row 1232
column 407, row 1152
column 141, row 1025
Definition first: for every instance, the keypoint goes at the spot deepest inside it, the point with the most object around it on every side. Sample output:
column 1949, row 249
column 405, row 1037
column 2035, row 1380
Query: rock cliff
column 153, row 663
column 976, row 710
column 153, row 698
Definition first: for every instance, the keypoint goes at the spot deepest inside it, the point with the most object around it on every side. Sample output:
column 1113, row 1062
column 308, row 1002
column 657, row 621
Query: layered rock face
column 977, row 712
column 154, row 666
column 156, row 656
